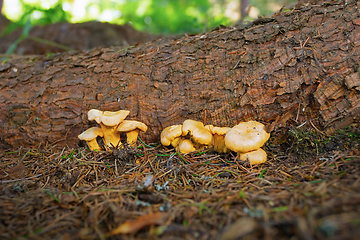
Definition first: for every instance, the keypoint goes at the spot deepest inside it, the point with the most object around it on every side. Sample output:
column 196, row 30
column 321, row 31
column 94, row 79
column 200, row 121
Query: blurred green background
column 153, row 16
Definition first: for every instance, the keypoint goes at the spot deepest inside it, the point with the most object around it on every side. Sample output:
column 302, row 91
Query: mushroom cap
column 108, row 118
column 169, row 134
column 91, row 134
column 186, row 146
column 94, row 114
column 130, row 125
column 175, row 142
column 209, row 128
column 246, row 137
column 255, row 157
column 197, row 131
column 217, row 130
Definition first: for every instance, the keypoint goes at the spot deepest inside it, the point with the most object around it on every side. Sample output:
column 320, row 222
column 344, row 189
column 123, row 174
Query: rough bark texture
column 297, row 66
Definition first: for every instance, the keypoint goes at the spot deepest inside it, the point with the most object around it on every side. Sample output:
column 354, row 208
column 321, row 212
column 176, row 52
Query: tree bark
column 300, row 66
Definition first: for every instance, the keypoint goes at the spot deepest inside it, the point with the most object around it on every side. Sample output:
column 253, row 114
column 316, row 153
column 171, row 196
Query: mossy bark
column 297, row 66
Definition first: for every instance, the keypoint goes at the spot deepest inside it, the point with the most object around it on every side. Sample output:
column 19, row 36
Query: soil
column 308, row 189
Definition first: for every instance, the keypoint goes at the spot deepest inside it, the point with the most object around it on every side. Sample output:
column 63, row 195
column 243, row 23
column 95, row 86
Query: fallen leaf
column 133, row 226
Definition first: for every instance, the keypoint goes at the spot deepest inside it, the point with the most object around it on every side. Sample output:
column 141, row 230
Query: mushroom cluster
column 246, row 139
column 112, row 124
column 190, row 136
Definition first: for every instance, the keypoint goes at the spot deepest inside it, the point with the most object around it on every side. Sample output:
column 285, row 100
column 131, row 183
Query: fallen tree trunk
column 301, row 65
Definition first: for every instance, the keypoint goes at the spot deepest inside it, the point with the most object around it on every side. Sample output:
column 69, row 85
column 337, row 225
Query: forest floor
column 308, row 189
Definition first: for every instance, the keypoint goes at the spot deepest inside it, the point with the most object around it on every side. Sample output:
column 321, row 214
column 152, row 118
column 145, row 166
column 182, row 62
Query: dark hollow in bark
column 297, row 66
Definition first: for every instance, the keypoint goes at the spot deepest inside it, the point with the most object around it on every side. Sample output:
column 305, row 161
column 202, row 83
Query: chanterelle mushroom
column 254, row 157
column 185, row 146
column 109, row 122
column 90, row 137
column 218, row 138
column 198, row 133
column 246, row 137
column 132, row 129
column 171, row 135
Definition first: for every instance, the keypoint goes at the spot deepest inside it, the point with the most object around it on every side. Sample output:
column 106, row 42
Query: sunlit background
column 154, row 16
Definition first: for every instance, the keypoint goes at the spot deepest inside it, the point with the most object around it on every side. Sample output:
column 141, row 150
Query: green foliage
column 280, row 209
column 178, row 17
column 167, row 16
column 52, row 15
column 43, row 16
column 262, row 173
column 24, row 34
column 154, row 16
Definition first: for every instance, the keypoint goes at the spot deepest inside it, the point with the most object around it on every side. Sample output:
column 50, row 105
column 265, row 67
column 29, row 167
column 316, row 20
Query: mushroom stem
column 219, row 143
column 90, row 137
column 111, row 136
column 109, row 122
column 132, row 137
column 93, row 145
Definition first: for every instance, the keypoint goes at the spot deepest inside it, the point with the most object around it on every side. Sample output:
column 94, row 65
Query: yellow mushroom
column 185, row 146
column 246, row 137
column 218, row 138
column 132, row 129
column 254, row 157
column 192, row 135
column 171, row 135
column 90, row 137
column 108, row 122
column 197, row 132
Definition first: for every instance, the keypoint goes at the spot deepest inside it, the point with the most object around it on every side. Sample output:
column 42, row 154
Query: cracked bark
column 298, row 66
